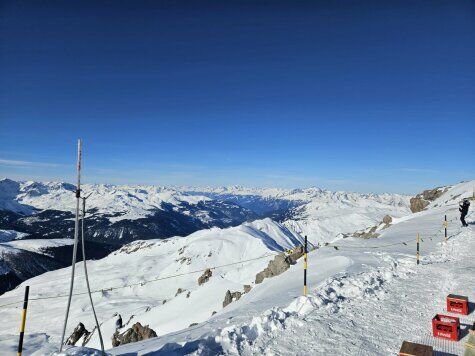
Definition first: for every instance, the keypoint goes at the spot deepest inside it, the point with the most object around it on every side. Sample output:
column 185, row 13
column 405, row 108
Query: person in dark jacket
column 118, row 323
column 464, row 211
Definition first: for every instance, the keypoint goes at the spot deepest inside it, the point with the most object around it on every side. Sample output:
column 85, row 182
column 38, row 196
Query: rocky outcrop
column 205, row 276
column 422, row 200
column 79, row 332
column 247, row 288
column 136, row 333
column 367, row 234
column 371, row 233
column 387, row 220
column 231, row 297
column 280, row 264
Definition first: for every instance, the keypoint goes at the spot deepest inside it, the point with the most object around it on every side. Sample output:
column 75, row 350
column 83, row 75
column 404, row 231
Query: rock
column 179, row 291
column 230, row 297
column 214, row 312
column 205, row 276
column 77, row 334
column 387, row 220
column 296, row 253
column 247, row 288
column 188, row 294
column 422, row 200
column 192, row 324
column 136, row 333
column 367, row 234
column 278, row 265
column 164, row 301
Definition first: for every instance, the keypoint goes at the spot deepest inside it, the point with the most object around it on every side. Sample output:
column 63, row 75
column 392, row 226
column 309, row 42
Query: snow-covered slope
column 120, row 214
column 238, row 253
column 272, row 318
column 321, row 214
column 22, row 258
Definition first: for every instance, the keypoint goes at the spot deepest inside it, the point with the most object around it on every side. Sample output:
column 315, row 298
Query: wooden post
column 23, row 321
column 417, row 252
column 446, row 224
column 305, row 268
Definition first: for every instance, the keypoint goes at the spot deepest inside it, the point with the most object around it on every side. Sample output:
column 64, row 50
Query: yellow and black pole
column 305, row 267
column 23, row 321
column 445, row 226
column 417, row 252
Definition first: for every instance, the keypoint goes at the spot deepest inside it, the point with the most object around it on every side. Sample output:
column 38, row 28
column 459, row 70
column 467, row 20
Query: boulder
column 136, row 333
column 367, row 234
column 230, row 297
column 422, row 200
column 247, row 288
column 387, row 220
column 77, row 334
column 205, row 276
column 278, row 265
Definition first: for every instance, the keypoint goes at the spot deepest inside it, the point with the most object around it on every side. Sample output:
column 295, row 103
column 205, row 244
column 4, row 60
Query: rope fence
column 313, row 248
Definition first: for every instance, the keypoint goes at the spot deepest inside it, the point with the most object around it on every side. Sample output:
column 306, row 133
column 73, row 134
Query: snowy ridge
column 352, row 289
column 186, row 258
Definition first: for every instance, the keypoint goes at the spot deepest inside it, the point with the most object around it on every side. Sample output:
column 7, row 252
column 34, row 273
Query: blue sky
column 351, row 95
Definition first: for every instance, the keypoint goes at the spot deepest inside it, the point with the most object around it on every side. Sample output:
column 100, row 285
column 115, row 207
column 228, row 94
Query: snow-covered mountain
column 22, row 258
column 321, row 214
column 157, row 284
column 234, row 255
column 118, row 215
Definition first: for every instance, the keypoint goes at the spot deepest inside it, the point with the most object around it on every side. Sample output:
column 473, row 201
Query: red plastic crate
column 457, row 304
column 446, row 327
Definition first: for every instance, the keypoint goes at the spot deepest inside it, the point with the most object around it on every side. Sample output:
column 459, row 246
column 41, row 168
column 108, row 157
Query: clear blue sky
column 355, row 95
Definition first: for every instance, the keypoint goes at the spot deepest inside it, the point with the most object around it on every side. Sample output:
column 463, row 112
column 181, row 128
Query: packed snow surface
column 362, row 292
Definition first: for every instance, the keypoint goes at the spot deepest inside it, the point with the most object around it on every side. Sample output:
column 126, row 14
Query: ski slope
column 360, row 293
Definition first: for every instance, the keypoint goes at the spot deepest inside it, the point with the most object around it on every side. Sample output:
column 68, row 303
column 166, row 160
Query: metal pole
column 85, row 271
column 76, row 234
column 23, row 321
column 305, row 267
column 417, row 253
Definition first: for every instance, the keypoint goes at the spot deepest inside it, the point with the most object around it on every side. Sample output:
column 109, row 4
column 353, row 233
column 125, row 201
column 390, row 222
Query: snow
column 38, row 245
column 9, row 235
column 141, row 261
column 361, row 295
column 319, row 213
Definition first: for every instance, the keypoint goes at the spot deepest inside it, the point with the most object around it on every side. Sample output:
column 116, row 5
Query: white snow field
column 365, row 295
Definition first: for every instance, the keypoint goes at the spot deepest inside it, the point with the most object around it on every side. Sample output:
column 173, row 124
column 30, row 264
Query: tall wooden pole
column 305, row 267
column 417, row 252
column 23, row 321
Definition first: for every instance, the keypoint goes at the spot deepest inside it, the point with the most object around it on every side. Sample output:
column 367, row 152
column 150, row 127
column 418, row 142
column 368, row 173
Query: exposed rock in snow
column 136, row 333
column 78, row 333
column 277, row 266
column 205, row 276
column 230, row 297
column 422, row 200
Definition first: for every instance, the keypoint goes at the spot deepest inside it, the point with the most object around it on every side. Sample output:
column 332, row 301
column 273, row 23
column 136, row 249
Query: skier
column 464, row 211
column 118, row 323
